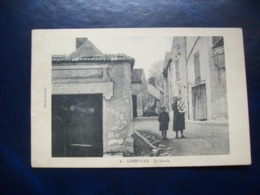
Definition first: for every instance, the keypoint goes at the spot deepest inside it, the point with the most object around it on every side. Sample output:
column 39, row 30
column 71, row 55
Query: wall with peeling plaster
column 118, row 112
column 117, row 101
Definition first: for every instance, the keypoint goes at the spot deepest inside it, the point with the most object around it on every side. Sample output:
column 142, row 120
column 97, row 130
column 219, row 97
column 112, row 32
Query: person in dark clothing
column 181, row 118
column 175, row 116
column 178, row 116
column 164, row 122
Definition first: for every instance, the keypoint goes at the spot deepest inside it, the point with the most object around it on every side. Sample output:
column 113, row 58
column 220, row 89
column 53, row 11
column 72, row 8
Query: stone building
column 91, row 103
column 139, row 92
column 195, row 69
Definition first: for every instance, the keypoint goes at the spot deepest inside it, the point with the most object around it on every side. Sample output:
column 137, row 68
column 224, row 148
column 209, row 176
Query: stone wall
column 118, row 112
column 218, row 87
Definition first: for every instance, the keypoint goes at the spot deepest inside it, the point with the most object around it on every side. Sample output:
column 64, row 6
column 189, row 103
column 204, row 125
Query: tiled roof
column 95, row 58
column 136, row 76
column 87, row 52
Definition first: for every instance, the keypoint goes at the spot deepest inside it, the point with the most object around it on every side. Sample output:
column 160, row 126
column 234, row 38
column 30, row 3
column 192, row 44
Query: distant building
column 139, row 92
column 91, row 103
column 195, row 69
column 153, row 102
column 152, row 81
column 157, row 84
column 161, row 95
column 155, row 98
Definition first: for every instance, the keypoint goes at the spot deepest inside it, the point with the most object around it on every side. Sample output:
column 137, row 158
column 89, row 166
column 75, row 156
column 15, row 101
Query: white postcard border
column 42, row 50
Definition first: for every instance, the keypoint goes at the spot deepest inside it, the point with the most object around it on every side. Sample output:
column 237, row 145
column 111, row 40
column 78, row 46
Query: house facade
column 195, row 70
column 91, row 103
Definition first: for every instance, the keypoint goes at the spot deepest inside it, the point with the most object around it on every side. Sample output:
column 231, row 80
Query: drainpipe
column 187, row 79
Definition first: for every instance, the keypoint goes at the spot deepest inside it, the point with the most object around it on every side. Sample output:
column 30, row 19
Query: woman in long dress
column 178, row 108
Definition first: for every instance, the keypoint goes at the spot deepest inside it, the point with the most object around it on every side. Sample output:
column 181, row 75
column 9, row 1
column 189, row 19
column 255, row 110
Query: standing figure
column 181, row 117
column 164, row 122
column 175, row 116
column 178, row 108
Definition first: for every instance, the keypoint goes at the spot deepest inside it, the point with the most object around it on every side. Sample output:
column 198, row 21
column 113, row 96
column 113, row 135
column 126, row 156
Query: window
column 177, row 68
column 219, row 59
column 197, row 67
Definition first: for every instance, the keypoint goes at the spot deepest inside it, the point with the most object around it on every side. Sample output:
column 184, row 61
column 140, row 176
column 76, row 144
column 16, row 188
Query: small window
column 197, row 67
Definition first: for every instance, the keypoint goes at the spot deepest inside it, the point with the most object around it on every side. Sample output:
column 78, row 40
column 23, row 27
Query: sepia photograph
column 134, row 98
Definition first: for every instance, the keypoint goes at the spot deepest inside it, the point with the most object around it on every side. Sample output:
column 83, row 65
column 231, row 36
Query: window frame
column 197, row 73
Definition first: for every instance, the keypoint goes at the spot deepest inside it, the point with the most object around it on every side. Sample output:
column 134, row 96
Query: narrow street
column 200, row 138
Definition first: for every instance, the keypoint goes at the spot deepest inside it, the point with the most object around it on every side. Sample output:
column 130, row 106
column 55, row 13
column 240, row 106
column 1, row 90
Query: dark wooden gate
column 77, row 125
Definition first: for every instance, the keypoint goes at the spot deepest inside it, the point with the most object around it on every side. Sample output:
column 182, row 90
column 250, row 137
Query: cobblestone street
column 201, row 138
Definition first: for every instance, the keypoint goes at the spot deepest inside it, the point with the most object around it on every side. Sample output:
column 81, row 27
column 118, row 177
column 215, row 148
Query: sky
column 145, row 50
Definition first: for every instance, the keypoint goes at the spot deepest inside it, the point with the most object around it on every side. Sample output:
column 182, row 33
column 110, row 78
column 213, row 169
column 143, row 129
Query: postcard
column 147, row 97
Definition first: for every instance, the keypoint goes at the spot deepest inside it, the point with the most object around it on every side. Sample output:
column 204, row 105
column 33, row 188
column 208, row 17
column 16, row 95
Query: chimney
column 80, row 41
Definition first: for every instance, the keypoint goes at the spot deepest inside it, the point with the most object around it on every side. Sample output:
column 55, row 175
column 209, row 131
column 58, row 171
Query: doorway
column 77, row 125
column 134, row 99
column 199, row 102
